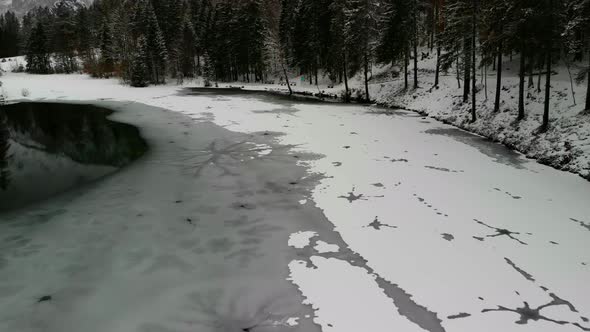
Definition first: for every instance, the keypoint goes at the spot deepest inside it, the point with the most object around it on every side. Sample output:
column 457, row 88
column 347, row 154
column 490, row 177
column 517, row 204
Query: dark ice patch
column 522, row 272
column 448, row 237
column 500, row 232
column 459, row 315
column 443, row 169
column 377, row 225
column 581, row 223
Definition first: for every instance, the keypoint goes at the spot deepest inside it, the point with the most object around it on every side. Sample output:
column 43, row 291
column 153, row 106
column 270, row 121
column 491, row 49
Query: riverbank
column 565, row 146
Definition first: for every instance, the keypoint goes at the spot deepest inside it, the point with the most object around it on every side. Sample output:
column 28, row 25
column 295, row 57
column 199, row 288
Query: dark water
column 47, row 148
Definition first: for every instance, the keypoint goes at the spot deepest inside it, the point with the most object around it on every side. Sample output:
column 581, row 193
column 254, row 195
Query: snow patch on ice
column 301, row 240
column 324, row 247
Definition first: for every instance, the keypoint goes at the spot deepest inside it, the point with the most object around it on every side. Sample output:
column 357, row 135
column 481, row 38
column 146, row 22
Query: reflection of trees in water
column 80, row 132
column 4, row 145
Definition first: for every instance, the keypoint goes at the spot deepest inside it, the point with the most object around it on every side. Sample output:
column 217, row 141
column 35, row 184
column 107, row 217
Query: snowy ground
column 393, row 221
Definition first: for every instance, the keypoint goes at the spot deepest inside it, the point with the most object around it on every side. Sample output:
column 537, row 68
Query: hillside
column 21, row 7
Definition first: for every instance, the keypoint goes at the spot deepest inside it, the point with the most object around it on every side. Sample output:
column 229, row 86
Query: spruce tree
column 108, row 54
column 37, row 55
column 63, row 36
column 10, row 35
column 397, row 32
column 139, row 67
column 577, row 33
column 457, row 40
column 337, row 62
column 496, row 19
column 361, row 30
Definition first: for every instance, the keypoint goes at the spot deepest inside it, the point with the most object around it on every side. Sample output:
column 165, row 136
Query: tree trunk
column 438, row 48
column 545, row 125
column 548, row 49
column 466, row 69
column 347, row 93
column 316, row 75
column 498, row 79
column 415, row 44
column 437, row 72
column 540, row 75
column 530, row 67
column 522, row 74
column 473, row 61
column 415, row 63
column 287, row 79
column 367, row 78
column 485, row 75
column 406, row 65
column 458, row 74
column 588, row 89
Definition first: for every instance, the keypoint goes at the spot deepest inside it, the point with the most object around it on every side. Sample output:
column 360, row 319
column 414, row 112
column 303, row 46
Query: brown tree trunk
column 415, row 44
column 406, row 65
column 545, row 125
column 437, row 72
column 367, row 78
column 347, row 93
column 498, row 79
column 473, row 61
column 466, row 69
column 287, row 79
column 522, row 74
column 540, row 75
column 530, row 69
column 588, row 89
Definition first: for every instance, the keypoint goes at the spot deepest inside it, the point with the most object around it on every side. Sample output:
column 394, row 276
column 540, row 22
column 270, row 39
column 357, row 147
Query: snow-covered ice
column 426, row 227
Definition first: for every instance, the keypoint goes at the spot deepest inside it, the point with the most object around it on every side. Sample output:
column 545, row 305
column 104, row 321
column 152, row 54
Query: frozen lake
column 255, row 213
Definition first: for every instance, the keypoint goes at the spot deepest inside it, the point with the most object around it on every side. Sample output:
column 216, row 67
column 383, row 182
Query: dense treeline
column 9, row 35
column 149, row 41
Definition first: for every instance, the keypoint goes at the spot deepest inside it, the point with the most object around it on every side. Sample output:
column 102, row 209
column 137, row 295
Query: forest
column 149, row 41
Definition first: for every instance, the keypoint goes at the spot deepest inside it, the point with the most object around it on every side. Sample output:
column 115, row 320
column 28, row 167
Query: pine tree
column 361, row 30
column 156, row 46
column 457, row 40
column 397, row 33
column 37, row 57
column 139, row 68
column 63, row 37
column 337, row 61
column 577, row 33
column 306, row 37
column 547, row 34
column 10, row 35
column 496, row 18
column 108, row 54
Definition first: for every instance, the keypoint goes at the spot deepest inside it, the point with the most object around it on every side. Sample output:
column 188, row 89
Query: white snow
column 324, row 247
column 435, row 180
column 301, row 240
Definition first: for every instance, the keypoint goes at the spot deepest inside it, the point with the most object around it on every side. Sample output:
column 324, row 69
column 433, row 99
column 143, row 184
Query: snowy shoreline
column 565, row 146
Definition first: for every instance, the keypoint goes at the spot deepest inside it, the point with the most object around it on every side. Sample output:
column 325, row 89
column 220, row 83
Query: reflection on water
column 46, row 148
column 4, row 174
column 497, row 152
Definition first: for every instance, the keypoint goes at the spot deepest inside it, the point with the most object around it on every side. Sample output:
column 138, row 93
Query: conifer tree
column 139, row 68
column 38, row 59
column 361, row 30
column 337, row 61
